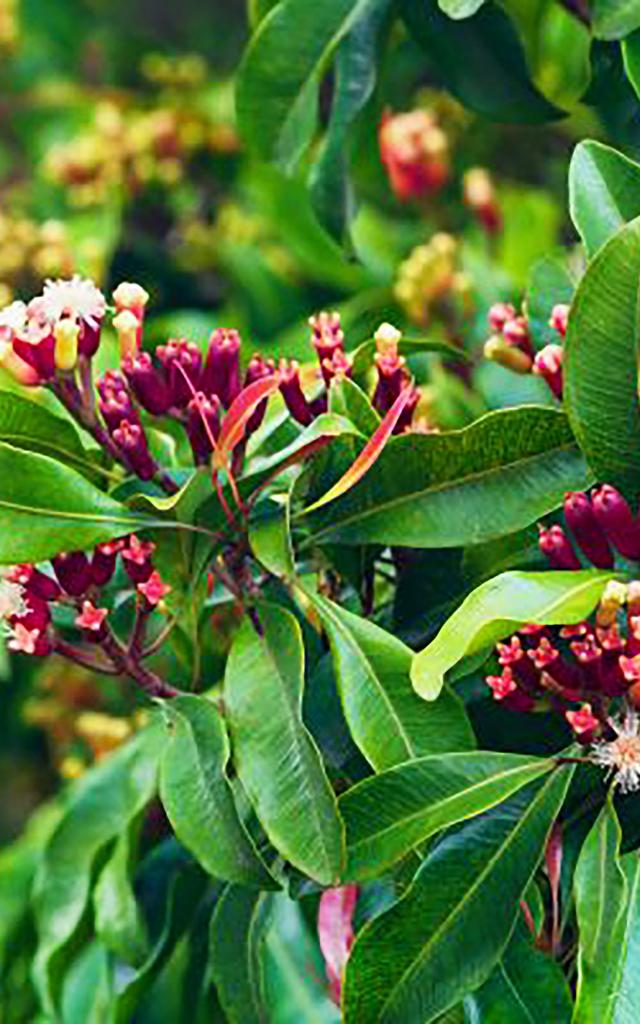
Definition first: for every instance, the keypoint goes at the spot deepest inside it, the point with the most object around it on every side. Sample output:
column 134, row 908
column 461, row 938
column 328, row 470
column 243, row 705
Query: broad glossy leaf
column 236, row 937
column 87, row 996
column 526, row 987
column 26, row 424
column 631, row 57
column 46, row 507
column 117, row 918
column 277, row 82
column 604, row 188
column 179, row 902
column 197, row 795
column 297, row 989
column 390, row 814
column 443, row 938
column 614, row 19
column 601, row 389
column 347, row 399
column 270, row 536
column 496, row 608
column 462, row 487
column 492, row 79
column 355, row 78
column 551, row 281
column 607, row 893
column 104, row 803
column 385, row 717
column 276, row 758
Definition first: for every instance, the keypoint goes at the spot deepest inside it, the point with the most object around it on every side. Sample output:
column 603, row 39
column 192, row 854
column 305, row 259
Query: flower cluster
column 131, row 149
column 430, row 278
column 510, row 344
column 328, row 341
column 601, row 525
column 415, row 153
column 30, row 251
column 576, row 670
column 30, row 596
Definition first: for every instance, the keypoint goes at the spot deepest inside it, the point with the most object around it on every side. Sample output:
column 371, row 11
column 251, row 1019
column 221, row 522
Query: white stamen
column 76, row 297
column 621, row 756
column 11, row 599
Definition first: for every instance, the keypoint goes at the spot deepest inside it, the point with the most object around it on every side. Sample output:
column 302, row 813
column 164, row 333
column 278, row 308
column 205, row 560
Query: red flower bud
column 327, row 336
column 179, row 357
column 258, row 369
column 200, row 411
column 136, row 557
column 499, row 314
column 73, row 572
column 616, row 519
column 132, row 442
column 222, row 367
column 291, row 390
column 583, row 522
column 548, row 365
column 559, row 318
column 147, row 383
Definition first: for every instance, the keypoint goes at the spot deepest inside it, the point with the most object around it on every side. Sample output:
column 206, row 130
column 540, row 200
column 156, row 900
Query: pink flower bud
column 586, row 528
column 583, row 722
column 91, row 619
column 516, row 332
column 499, row 314
column 136, row 557
column 154, row 590
column 548, row 365
column 558, row 549
column 29, row 641
column 559, row 318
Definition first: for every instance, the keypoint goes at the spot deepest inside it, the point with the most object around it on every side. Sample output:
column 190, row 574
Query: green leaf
column 87, row 990
column 551, row 281
column 180, row 903
column 497, row 608
column 385, row 717
column 236, row 937
column 270, row 536
column 460, row 8
column 355, row 77
column 26, row 424
column 462, row 487
column 46, row 507
column 347, row 399
column 276, row 758
column 607, row 894
column 492, row 80
column 526, row 987
column 102, row 806
column 364, row 353
column 391, row 814
column 197, row 795
column 601, row 375
column 117, row 918
column 614, row 19
column 631, row 58
column 295, row 970
column 276, row 96
column 444, row 937
column 604, row 192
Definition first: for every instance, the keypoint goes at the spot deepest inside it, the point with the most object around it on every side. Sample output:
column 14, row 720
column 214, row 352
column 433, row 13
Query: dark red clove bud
column 73, row 572
column 136, row 558
column 132, row 442
column 222, row 366
column 182, row 363
column 203, row 421
column 558, row 549
column 586, row 528
column 327, row 336
column 258, row 369
column 291, row 390
column 147, row 383
column 616, row 519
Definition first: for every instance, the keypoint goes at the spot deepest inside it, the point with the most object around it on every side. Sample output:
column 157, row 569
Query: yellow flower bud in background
column 66, row 333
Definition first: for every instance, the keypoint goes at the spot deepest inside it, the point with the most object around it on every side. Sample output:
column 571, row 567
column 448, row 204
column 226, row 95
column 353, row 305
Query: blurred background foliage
column 120, row 159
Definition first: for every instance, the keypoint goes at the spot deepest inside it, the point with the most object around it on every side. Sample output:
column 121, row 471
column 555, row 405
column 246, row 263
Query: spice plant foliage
column 383, row 679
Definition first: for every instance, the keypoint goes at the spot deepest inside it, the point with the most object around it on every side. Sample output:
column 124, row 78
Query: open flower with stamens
column 12, row 601
column 621, row 755
column 76, row 297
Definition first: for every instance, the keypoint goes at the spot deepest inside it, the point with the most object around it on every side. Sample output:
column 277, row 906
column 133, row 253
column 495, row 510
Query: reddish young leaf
column 369, row 454
column 553, row 861
column 335, row 933
column 235, row 422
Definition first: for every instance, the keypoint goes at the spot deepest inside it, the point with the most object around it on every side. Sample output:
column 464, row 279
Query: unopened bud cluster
column 576, row 670
column 431, row 277
column 601, row 525
column 129, row 149
column 479, row 195
column 511, row 346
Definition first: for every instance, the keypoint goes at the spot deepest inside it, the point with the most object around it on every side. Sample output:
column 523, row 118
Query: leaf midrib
column 452, row 799
column 470, row 893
